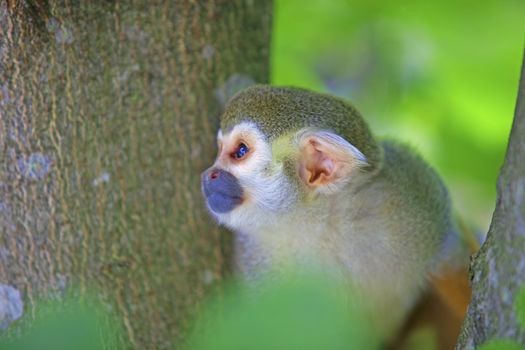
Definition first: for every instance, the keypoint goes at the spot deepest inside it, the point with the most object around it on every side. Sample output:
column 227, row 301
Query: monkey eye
column 241, row 151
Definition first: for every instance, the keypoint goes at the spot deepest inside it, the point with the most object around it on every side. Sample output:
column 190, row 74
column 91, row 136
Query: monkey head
column 284, row 149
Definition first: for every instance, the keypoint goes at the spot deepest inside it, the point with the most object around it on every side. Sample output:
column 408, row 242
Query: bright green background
column 441, row 75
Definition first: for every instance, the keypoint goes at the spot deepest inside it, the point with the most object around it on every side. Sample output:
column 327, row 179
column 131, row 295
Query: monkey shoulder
column 412, row 178
column 411, row 201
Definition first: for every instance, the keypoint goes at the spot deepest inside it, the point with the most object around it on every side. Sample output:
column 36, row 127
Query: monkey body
column 366, row 237
column 319, row 192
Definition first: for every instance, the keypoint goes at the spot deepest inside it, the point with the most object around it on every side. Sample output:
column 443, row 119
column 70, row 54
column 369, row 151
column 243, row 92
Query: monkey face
column 246, row 185
column 254, row 182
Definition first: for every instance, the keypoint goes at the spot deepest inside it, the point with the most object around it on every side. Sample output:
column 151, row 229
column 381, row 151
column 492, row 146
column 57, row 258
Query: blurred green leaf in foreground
column 293, row 314
column 64, row 324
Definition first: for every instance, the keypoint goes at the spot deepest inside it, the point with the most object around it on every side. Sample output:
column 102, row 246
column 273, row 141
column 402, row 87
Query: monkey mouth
column 222, row 203
column 222, row 190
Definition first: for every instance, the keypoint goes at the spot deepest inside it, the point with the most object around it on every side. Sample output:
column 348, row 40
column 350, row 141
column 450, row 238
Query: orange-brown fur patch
column 442, row 309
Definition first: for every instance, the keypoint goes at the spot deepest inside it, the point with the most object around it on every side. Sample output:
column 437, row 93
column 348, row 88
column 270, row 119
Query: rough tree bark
column 498, row 270
column 108, row 115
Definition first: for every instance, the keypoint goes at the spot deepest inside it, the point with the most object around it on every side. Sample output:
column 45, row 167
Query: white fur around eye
column 267, row 189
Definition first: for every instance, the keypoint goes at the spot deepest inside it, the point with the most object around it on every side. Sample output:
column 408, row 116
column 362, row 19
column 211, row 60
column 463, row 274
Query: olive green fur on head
column 281, row 110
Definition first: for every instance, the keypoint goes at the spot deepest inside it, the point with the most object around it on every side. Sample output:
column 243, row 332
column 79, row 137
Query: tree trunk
column 498, row 270
column 108, row 115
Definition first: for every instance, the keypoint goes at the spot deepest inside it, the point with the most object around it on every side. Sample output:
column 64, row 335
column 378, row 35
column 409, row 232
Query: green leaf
column 64, row 324
column 500, row 345
column 309, row 314
column 520, row 306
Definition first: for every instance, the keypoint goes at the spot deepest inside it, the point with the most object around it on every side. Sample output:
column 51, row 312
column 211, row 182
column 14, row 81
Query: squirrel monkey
column 300, row 179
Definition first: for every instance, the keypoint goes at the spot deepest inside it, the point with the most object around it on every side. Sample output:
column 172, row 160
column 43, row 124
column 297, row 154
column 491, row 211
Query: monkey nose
column 214, row 174
column 210, row 174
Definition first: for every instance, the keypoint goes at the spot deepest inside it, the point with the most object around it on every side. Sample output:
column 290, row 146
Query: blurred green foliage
column 520, row 307
column 305, row 313
column 442, row 76
column 68, row 323
column 299, row 311
column 501, row 345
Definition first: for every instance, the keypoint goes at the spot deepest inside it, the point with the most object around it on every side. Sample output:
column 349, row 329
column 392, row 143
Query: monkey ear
column 326, row 160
